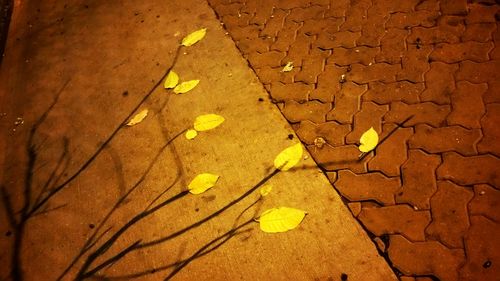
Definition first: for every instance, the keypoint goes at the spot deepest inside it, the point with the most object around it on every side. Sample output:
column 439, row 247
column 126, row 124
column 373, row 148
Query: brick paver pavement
column 429, row 195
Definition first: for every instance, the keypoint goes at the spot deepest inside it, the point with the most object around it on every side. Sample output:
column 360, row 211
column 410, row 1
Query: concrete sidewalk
column 72, row 75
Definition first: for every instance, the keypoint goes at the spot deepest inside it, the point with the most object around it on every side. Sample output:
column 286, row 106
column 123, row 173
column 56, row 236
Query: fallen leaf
column 171, row 81
column 191, row 134
column 207, row 122
column 202, row 182
column 280, row 219
column 194, row 37
column 289, row 157
column 288, row 67
column 368, row 140
column 138, row 118
column 185, row 87
column 265, row 190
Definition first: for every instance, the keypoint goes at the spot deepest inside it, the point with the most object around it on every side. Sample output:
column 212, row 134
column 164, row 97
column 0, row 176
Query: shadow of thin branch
column 101, row 147
column 179, row 265
column 83, row 273
column 90, row 242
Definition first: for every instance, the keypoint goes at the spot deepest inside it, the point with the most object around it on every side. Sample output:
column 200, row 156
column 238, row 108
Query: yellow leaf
column 171, row 81
column 194, row 37
column 280, row 219
column 185, row 87
column 289, row 157
column 202, row 182
column 288, row 67
column 191, row 134
column 207, row 122
column 265, row 190
column 138, row 118
column 368, row 140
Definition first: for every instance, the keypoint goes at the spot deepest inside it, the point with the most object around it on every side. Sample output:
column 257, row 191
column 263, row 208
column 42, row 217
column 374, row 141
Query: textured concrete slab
column 101, row 58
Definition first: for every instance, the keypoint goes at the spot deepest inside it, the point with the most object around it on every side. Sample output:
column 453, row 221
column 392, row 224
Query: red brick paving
column 429, row 195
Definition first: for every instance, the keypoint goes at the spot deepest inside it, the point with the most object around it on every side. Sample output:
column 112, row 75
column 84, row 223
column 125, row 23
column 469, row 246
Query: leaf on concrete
column 207, row 122
column 194, row 37
column 191, row 134
column 138, row 118
column 368, row 140
column 265, row 190
column 185, row 87
column 171, row 81
column 288, row 67
column 289, row 157
column 202, row 183
column 280, row 219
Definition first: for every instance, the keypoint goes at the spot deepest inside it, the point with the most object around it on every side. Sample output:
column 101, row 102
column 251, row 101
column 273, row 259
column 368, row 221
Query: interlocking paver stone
column 290, row 4
column 271, row 58
column 467, row 104
column 248, row 32
column 356, row 14
column 450, row 220
column 491, row 130
column 295, row 91
column 481, row 244
column 480, row 32
column 332, row 132
column 485, row 202
column 425, row 258
column 384, row 72
column 369, row 116
column 329, row 83
column 424, row 18
column 419, row 183
column 347, row 102
column 302, row 14
column 274, row 24
column 339, row 157
column 478, row 72
column 432, row 35
column 362, row 54
column 355, row 208
column 491, row 95
column 414, row 63
column 286, row 36
column 437, row 140
column 372, row 186
column 481, row 13
column 313, row 111
column 383, row 93
column 454, row 7
column 299, row 49
column 399, row 219
column 430, row 5
column 312, row 66
column 393, row 46
column 317, row 26
column 391, row 154
column 470, row 50
column 440, row 83
column 371, row 31
column 234, row 22
column 423, row 113
column 268, row 74
column 469, row 170
column 346, row 39
column 254, row 45
column 338, row 8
